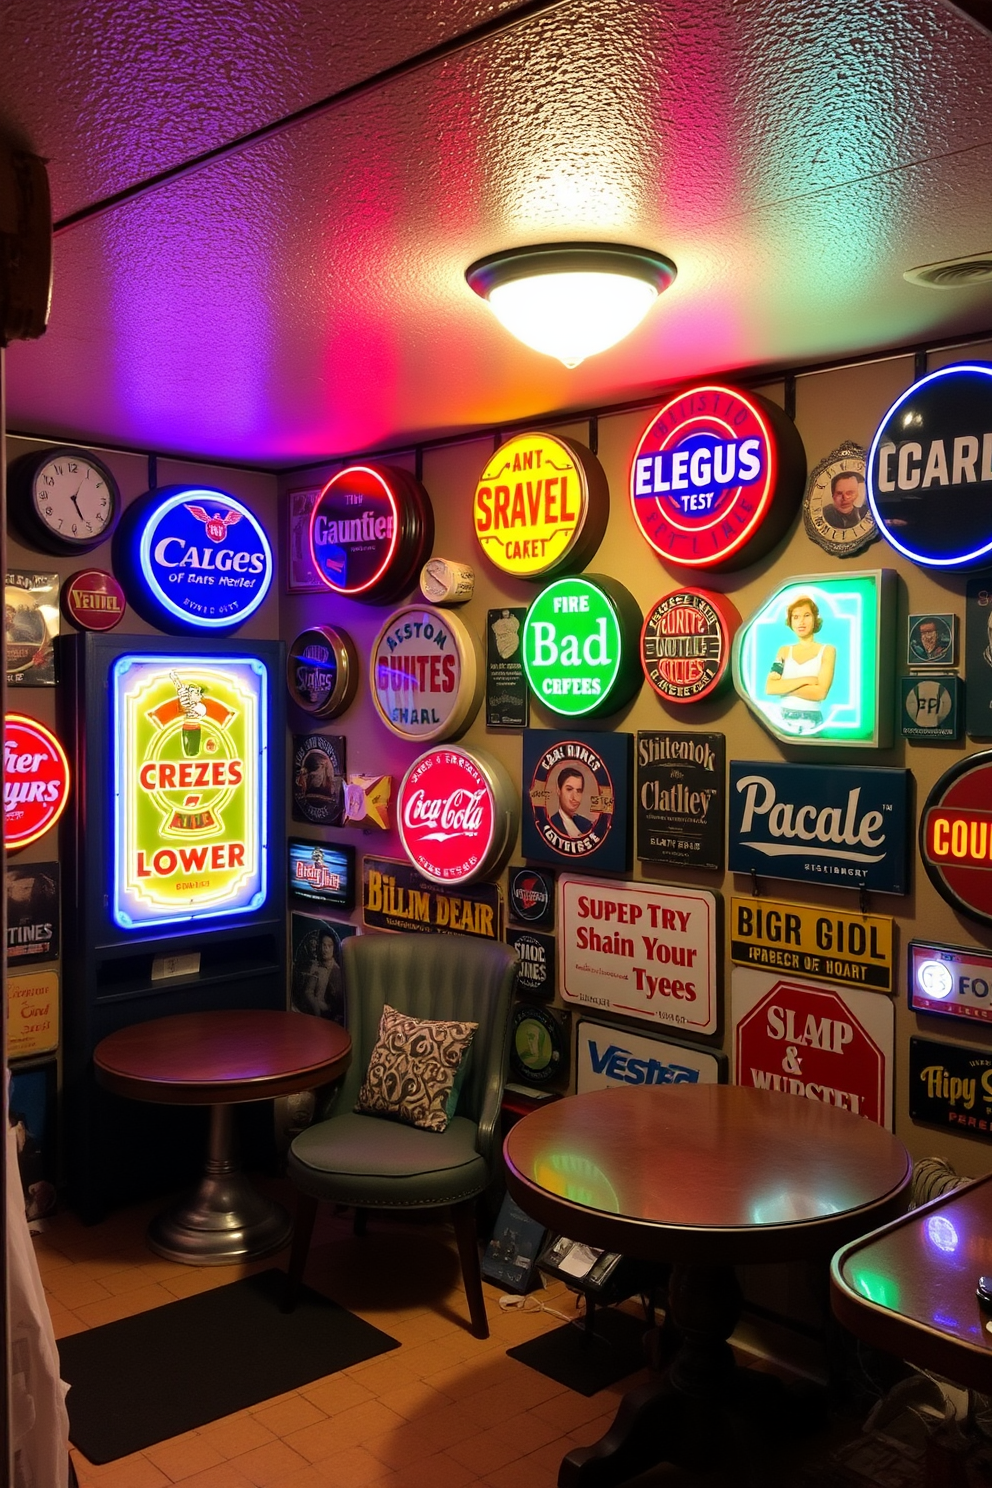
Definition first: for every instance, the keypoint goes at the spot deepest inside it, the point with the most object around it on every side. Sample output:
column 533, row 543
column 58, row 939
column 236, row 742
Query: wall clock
column 63, row 500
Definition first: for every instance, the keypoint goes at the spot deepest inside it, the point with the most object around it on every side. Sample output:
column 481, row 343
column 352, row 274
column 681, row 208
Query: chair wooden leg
column 467, row 1235
column 306, row 1213
column 360, row 1221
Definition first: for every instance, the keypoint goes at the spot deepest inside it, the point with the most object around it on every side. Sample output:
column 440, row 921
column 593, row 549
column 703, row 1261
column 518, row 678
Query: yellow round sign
column 541, row 506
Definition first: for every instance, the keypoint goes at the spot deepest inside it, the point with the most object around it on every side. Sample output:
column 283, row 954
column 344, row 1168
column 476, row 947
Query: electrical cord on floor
column 531, row 1304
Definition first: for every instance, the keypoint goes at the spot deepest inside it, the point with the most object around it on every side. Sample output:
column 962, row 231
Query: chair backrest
column 434, row 976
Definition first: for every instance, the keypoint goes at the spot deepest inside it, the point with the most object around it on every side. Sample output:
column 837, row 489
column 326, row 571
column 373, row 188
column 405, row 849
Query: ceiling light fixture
column 571, row 300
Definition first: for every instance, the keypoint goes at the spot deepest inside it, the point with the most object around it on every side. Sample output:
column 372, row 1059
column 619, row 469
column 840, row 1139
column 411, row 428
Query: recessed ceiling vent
column 954, row 273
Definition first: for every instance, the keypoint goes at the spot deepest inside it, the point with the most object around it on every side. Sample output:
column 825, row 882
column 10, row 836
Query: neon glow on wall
column 190, row 793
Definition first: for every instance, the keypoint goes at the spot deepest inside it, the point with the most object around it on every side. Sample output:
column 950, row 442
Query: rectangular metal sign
column 951, row 981
column 839, row 824
column 32, row 1012
column 647, row 950
column 681, row 798
column 951, row 1085
column 507, row 694
column 829, row 945
column 537, row 962
column 396, row 897
column 607, row 1057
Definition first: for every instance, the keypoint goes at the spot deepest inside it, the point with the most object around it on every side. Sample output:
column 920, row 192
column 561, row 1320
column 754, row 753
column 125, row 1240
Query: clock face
column 71, row 500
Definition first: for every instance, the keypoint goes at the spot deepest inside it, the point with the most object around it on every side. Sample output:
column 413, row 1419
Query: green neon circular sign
column 580, row 646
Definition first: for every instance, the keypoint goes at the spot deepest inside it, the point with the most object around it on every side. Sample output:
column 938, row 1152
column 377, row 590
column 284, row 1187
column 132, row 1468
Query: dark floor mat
column 582, row 1363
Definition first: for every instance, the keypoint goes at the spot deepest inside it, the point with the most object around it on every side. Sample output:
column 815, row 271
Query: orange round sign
column 541, row 506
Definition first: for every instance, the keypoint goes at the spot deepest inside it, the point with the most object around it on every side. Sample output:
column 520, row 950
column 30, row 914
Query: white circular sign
column 426, row 673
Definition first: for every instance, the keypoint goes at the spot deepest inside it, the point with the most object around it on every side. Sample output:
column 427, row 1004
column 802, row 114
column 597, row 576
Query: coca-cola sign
column 457, row 817
column 35, row 780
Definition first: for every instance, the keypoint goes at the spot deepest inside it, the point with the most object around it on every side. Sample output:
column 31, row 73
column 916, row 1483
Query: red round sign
column 456, row 815
column 35, row 780
column 93, row 600
column 371, row 530
column 685, row 644
column 956, row 836
column 716, row 478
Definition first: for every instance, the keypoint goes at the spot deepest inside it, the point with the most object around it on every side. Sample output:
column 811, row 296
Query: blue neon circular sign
column 930, row 469
column 197, row 559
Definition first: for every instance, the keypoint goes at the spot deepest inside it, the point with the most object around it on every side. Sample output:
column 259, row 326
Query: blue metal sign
column 194, row 559
column 835, row 824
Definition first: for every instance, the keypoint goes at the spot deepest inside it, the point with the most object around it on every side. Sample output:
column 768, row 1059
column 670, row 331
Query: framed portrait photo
column 836, row 513
column 932, row 641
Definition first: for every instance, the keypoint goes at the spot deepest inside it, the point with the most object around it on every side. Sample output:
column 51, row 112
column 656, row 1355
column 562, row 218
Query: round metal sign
column 716, row 478
column 956, row 836
column 580, row 646
column 93, row 600
column 427, row 674
column 537, row 1046
column 322, row 671
column 371, row 529
column 686, row 643
column 35, row 780
column 541, row 506
column 930, row 469
column 456, row 814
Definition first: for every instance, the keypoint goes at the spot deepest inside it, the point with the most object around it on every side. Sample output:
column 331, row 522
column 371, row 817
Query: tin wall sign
column 951, row 1085
column 531, row 895
column 956, row 836
column 716, row 478
column 931, row 708
column 577, row 799
column 607, row 1057
column 319, row 765
column 322, row 671
column 35, row 780
column 31, row 609
column 396, row 897
column 932, row 640
column 821, row 945
column 951, row 981
column 814, row 662
column 836, row 514
column 836, row 824
column 541, row 506
column 32, row 1012
column 426, row 671
column 193, row 559
column 536, row 977
column 457, row 815
column 371, row 530
column 978, row 656
column 539, row 1044
column 32, row 913
column 680, row 789
column 930, row 469
column 507, row 696
column 685, row 644
column 93, row 599
column 828, row 1044
column 647, row 950
column 580, row 646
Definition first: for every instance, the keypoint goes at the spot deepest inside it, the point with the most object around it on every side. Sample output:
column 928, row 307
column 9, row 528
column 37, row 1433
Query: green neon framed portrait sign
column 814, row 662
column 580, row 646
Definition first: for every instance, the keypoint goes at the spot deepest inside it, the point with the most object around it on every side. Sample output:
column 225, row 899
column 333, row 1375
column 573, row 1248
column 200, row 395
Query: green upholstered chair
column 375, row 1163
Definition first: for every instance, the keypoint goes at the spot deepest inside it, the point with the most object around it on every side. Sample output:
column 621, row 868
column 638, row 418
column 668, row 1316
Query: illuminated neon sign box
column 814, row 661
column 541, row 506
column 322, row 871
column 193, row 559
column 371, row 530
column 685, row 644
column 716, row 478
column 457, row 815
column 35, row 780
column 190, row 806
column 426, row 673
column 956, row 836
column 951, row 981
column 930, row 469
column 580, row 646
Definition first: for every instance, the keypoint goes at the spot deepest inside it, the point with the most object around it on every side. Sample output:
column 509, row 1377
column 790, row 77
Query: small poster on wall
column 319, row 767
column 31, row 611
column 978, row 656
column 32, row 913
column 301, row 576
column 315, row 982
column 507, row 694
column 32, row 1012
column 680, row 790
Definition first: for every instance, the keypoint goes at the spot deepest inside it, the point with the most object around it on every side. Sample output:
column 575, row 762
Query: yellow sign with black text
column 32, row 1013
column 829, row 945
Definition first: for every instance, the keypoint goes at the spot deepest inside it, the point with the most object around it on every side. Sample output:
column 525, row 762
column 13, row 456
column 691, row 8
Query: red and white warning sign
column 830, row 1044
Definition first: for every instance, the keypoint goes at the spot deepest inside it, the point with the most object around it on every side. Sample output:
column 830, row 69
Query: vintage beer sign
column 536, row 977
column 322, row 871
column 507, row 696
column 680, row 789
column 978, row 657
column 396, row 897
column 828, row 1044
column 426, row 672
column 607, row 1057
column 322, row 671
column 956, row 836
column 685, row 644
column 644, row 949
column 580, row 646
column 541, row 506
column 838, row 824
column 539, row 1044
column 823, row 945
column 35, row 780
column 456, row 814
column 32, row 913
column 319, row 766
column 531, row 895
column 716, row 478
column 189, row 808
column 931, row 708
column 951, row 981
column 32, row 1013
column 93, row 600
column 930, row 469
column 577, row 799
column 371, row 530
column 951, row 1085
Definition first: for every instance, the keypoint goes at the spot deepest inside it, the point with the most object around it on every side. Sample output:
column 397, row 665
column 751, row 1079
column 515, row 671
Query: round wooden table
column 703, row 1176
column 219, row 1059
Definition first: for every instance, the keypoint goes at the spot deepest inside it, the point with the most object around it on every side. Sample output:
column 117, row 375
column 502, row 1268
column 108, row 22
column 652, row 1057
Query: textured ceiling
column 305, row 294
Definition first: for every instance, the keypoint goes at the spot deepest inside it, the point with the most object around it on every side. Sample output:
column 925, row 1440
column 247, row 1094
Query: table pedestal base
column 224, row 1219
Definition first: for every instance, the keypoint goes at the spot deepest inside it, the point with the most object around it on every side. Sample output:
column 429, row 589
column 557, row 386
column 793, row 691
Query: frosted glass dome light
column 571, row 300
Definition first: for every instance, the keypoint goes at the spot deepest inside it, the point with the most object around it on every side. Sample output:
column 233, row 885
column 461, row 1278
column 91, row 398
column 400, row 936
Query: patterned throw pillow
column 413, row 1070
